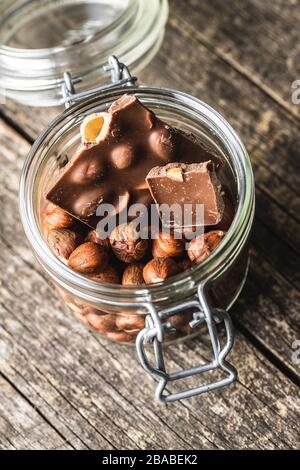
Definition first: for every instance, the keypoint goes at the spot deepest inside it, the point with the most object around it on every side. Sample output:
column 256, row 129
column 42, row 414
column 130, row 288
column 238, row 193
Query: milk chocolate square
column 188, row 186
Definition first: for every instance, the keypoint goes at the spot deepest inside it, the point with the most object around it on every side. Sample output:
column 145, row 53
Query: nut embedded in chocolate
column 122, row 156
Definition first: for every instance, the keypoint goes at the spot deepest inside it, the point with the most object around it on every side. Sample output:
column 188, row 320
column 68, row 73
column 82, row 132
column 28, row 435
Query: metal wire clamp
column 157, row 325
column 120, row 76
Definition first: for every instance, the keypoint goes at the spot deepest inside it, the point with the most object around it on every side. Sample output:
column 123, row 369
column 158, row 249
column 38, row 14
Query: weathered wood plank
column 80, row 381
column 258, row 39
column 269, row 308
column 63, row 378
column 22, row 427
column 101, row 380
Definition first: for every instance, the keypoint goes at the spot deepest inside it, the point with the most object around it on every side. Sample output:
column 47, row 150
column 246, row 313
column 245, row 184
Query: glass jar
column 181, row 305
column 42, row 39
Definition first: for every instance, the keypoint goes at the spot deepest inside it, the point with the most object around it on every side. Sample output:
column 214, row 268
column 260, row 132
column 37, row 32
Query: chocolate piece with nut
column 119, row 148
column 189, row 186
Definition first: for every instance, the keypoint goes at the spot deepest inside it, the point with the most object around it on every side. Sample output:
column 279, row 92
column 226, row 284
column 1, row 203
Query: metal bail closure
column 157, row 325
column 120, row 76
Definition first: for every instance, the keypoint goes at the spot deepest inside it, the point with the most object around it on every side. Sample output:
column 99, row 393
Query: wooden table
column 62, row 387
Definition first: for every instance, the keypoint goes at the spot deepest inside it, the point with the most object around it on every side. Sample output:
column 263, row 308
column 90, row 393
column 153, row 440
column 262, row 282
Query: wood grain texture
column 93, row 392
column 258, row 39
column 76, row 390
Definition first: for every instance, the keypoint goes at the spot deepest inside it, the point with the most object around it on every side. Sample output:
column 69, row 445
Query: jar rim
column 35, row 52
column 93, row 291
column 35, row 76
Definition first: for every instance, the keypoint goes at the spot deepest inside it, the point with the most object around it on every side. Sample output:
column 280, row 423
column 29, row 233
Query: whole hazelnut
column 88, row 258
column 94, row 237
column 122, row 336
column 133, row 275
column 55, row 217
column 127, row 244
column 201, row 246
column 179, row 320
column 110, row 275
column 130, row 322
column 63, row 242
column 167, row 245
column 102, row 323
column 159, row 269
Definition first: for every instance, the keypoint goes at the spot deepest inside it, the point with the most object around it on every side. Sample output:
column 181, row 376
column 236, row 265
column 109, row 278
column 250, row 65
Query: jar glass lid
column 42, row 39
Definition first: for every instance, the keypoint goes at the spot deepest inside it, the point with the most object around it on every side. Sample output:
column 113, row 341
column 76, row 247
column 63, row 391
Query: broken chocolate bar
column 189, row 186
column 132, row 140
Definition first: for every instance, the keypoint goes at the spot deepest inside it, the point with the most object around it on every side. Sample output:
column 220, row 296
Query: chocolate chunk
column 187, row 184
column 131, row 142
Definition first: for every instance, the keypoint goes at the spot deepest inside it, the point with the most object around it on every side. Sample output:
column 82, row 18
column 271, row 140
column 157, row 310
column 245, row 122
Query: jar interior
column 48, row 24
column 65, row 144
column 59, row 142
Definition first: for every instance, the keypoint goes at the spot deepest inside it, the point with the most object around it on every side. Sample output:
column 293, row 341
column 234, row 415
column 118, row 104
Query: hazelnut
column 159, row 269
column 55, row 217
column 163, row 142
column 88, row 258
column 122, row 156
column 175, row 173
column 201, row 246
column 122, row 336
column 167, row 245
column 88, row 309
column 127, row 244
column 180, row 320
column 185, row 263
column 101, row 323
column 130, row 322
column 87, row 203
column 133, row 275
column 87, row 171
column 94, row 237
column 110, row 275
column 63, row 242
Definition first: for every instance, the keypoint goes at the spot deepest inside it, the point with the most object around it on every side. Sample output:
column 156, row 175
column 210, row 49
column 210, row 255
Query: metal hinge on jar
column 120, row 76
column 157, row 326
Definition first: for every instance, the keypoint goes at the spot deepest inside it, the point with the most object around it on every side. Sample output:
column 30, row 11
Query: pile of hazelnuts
column 124, row 258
